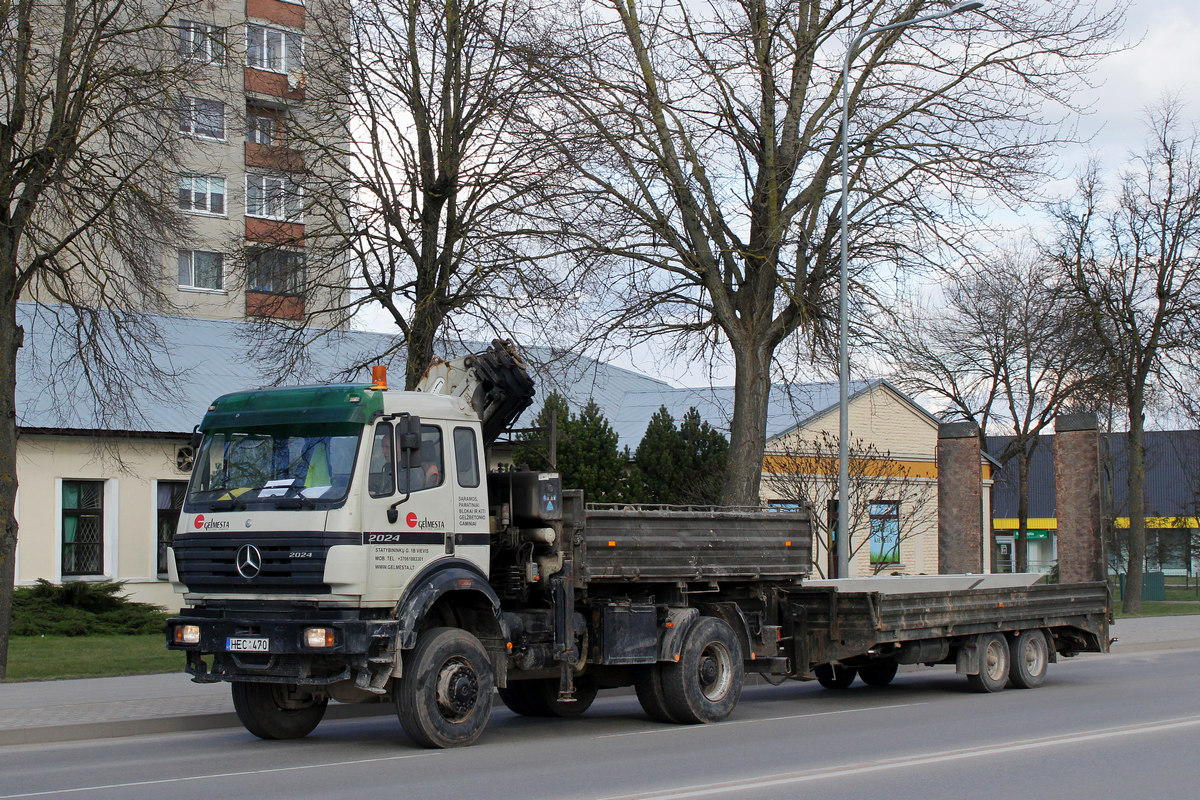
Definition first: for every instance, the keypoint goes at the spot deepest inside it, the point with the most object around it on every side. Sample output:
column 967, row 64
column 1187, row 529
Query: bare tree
column 425, row 187
column 887, row 498
column 1006, row 350
column 706, row 137
column 89, row 133
column 1132, row 262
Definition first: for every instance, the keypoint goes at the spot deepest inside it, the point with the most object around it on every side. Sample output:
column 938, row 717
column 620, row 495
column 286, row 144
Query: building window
column 170, row 501
column 203, row 118
column 201, row 269
column 276, row 271
column 885, row 532
column 82, row 528
column 260, row 127
column 273, row 49
column 272, row 197
column 200, row 41
column 202, row 193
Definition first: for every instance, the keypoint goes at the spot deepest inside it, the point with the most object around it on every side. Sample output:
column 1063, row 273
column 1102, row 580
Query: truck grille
column 208, row 563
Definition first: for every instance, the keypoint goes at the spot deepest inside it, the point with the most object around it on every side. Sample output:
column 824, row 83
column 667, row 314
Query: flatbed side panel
column 637, row 544
column 858, row 621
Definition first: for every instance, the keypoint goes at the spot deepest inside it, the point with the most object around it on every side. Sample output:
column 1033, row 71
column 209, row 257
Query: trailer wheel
column 993, row 663
column 539, row 698
column 835, row 677
column 445, row 696
column 1030, row 656
column 271, row 711
column 878, row 673
column 647, row 683
column 706, row 683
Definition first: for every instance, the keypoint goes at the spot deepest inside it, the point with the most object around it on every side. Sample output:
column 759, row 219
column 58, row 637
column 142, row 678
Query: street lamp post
column 843, row 504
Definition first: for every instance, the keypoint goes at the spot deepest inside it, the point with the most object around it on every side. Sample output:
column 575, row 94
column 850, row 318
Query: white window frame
column 108, row 526
column 289, row 50
column 274, row 196
column 209, row 184
column 189, row 113
column 254, row 133
column 191, row 285
column 202, row 42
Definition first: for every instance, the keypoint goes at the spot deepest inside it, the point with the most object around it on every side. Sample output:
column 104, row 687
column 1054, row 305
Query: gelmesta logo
column 213, row 524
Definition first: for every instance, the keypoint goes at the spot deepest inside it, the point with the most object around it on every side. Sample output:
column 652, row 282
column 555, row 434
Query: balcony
column 274, row 157
column 290, row 14
column 275, row 306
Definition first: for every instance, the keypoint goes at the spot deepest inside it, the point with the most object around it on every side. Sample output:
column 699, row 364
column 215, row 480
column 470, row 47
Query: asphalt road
column 1119, row 726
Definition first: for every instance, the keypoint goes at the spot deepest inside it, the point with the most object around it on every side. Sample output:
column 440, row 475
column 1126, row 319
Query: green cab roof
column 346, row 403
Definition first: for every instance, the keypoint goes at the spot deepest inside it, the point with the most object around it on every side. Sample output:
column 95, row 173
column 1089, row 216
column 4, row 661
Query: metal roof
column 1172, row 476
column 210, row 358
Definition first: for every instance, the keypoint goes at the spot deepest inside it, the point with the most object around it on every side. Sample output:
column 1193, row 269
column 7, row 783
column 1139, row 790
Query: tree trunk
column 1132, row 601
column 747, row 435
column 422, row 332
column 10, row 342
column 1021, row 542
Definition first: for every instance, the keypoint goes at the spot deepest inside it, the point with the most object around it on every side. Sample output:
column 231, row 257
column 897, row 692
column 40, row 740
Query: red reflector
column 464, row 581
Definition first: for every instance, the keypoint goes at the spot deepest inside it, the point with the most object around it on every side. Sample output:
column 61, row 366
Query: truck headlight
column 318, row 637
column 187, row 634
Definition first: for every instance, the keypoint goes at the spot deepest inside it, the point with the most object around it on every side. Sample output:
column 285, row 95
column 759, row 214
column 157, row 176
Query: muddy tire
column 706, row 683
column 1030, row 656
column 835, row 677
column 878, row 673
column 271, row 711
column 539, row 698
column 647, row 683
column 445, row 696
column 994, row 662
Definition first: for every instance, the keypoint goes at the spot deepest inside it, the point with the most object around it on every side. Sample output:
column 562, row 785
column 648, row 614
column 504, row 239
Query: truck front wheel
column 445, row 696
column 276, row 711
column 704, row 685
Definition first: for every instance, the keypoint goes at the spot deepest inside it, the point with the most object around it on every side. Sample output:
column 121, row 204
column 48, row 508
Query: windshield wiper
column 232, row 504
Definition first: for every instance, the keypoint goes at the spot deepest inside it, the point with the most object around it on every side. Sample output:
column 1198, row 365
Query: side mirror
column 197, row 436
column 408, row 432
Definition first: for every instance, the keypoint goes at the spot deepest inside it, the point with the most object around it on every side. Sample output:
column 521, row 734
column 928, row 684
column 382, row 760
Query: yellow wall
column 131, row 469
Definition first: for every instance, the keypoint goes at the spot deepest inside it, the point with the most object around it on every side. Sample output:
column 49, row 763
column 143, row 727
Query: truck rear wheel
column 276, row 711
column 835, row 676
column 647, row 683
column 878, row 673
column 993, row 663
column 1030, row 655
column 445, row 696
column 539, row 697
column 706, row 683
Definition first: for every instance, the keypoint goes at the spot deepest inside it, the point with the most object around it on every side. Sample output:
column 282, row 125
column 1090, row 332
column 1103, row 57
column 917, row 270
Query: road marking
column 688, row 728
column 790, row 778
column 161, row 781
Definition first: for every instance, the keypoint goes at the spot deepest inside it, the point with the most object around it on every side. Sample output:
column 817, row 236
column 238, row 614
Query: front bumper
column 362, row 650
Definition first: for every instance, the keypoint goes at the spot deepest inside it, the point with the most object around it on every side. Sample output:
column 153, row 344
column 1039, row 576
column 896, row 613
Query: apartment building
column 242, row 172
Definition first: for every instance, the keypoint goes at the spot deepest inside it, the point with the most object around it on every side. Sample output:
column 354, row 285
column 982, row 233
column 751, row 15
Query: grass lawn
column 36, row 658
column 1154, row 609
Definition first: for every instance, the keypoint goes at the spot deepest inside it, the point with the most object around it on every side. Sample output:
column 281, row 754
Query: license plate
column 247, row 644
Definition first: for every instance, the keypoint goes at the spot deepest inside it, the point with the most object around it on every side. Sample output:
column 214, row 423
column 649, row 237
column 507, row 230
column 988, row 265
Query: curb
column 50, row 734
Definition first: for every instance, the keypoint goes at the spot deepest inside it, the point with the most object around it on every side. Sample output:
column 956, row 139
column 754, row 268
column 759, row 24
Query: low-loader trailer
column 350, row 543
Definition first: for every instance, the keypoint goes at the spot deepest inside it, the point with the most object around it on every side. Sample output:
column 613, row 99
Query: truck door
column 470, row 497
column 408, row 508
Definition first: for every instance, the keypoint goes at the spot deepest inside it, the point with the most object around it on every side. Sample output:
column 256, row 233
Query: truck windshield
column 274, row 466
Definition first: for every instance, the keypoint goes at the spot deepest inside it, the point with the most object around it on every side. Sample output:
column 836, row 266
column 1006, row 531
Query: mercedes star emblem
column 248, row 561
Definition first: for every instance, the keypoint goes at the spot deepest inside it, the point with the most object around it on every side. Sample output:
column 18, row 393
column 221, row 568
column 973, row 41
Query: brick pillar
column 1077, row 496
column 960, row 499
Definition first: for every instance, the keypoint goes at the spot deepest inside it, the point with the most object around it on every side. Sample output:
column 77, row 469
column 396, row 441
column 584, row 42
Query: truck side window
column 466, row 457
column 427, row 469
column 382, row 479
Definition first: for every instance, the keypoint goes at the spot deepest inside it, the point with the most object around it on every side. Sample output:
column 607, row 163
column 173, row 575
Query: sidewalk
column 63, row 711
